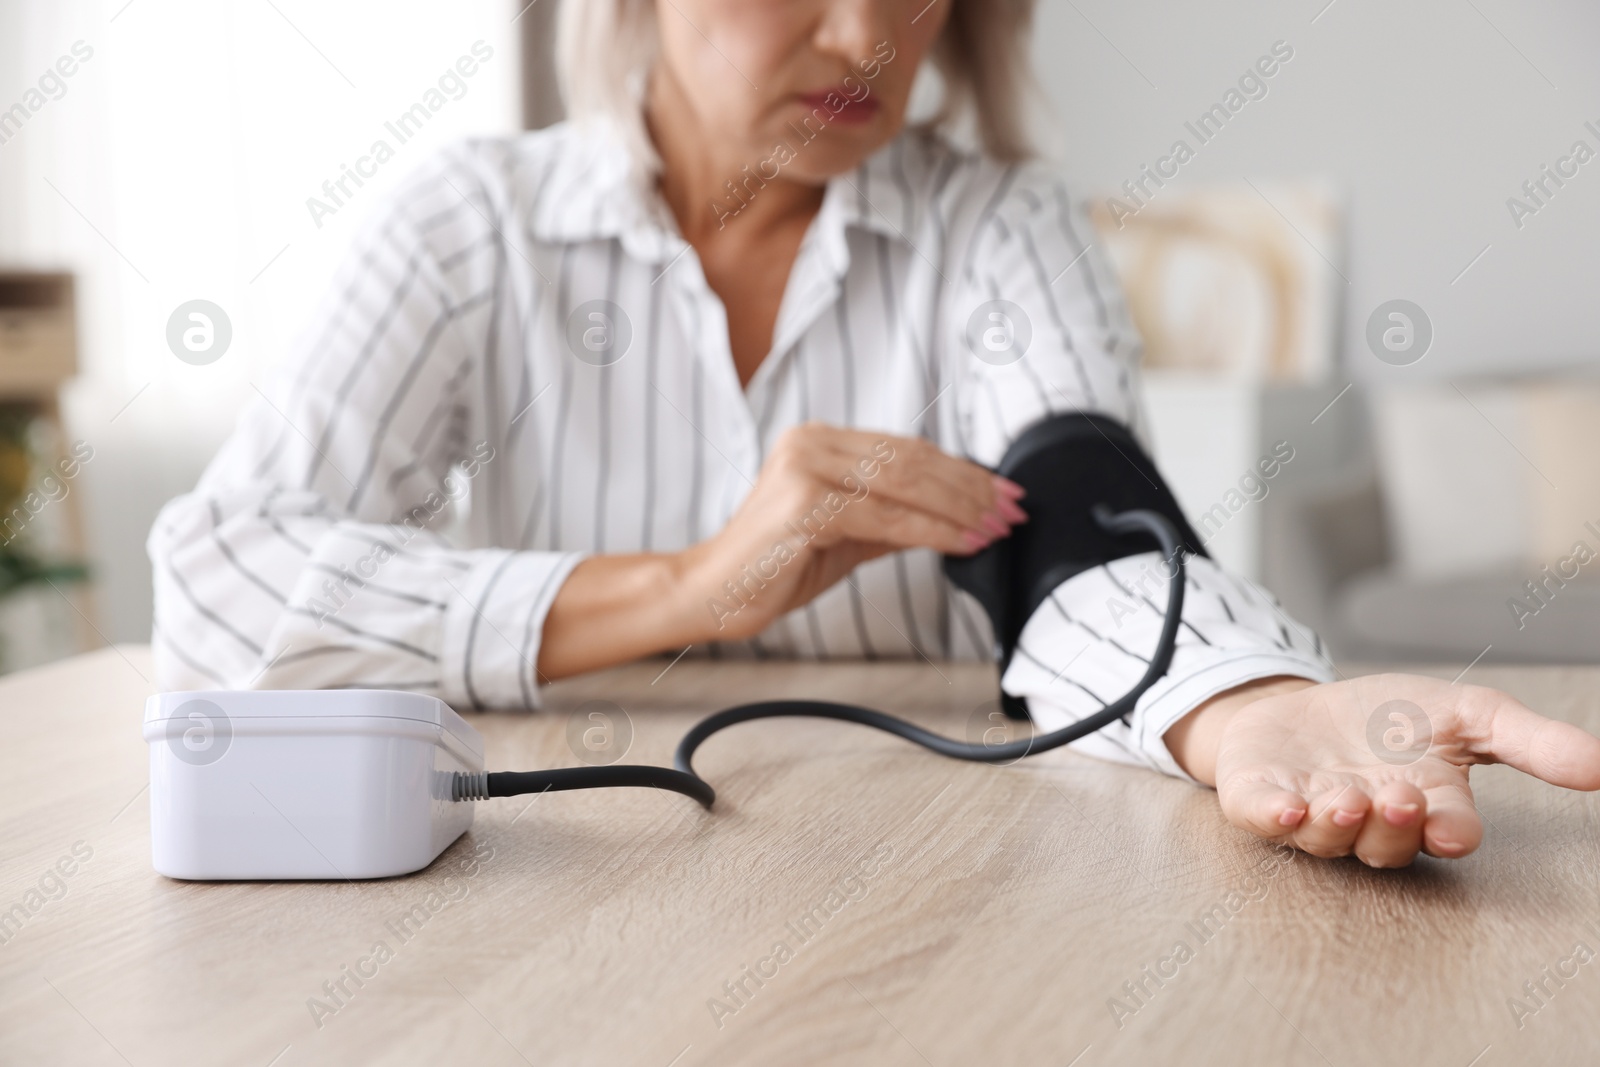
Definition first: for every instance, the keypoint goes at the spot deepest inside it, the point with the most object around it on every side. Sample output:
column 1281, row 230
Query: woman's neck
column 747, row 243
column 697, row 167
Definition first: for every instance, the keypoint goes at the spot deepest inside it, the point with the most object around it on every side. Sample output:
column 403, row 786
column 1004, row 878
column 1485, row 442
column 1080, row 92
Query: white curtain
column 175, row 163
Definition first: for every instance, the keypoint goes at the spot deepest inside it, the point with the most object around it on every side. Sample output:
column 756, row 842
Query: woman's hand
column 827, row 500
column 1376, row 766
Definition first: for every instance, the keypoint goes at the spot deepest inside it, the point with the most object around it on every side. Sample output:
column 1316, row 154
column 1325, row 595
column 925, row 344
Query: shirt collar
column 874, row 198
column 593, row 192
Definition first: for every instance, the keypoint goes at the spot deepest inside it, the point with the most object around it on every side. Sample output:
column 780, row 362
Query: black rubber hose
column 683, row 778
column 517, row 783
column 1126, row 522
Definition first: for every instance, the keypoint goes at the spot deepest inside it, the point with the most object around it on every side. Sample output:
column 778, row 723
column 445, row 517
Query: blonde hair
column 605, row 50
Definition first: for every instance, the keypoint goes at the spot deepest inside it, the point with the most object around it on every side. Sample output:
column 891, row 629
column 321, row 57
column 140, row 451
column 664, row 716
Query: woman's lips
column 852, row 111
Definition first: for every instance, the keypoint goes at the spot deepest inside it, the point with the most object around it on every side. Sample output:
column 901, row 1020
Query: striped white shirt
column 521, row 364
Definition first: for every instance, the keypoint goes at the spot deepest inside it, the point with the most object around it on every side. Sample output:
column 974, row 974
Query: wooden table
column 929, row 911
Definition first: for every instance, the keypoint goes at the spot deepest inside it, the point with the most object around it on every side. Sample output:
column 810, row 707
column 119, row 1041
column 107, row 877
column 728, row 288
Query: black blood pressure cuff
column 1068, row 464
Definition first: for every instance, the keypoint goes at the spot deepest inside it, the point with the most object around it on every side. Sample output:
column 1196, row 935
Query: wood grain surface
column 852, row 900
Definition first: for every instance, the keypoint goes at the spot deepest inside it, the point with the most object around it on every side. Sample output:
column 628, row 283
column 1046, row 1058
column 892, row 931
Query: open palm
column 1377, row 766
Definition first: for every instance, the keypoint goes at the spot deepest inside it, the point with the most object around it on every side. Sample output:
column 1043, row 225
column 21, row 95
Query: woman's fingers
column 1391, row 834
column 879, row 521
column 1453, row 827
column 1333, row 821
column 1264, row 808
column 918, row 486
column 1384, row 829
column 921, row 470
column 920, row 475
column 1501, row 729
column 915, row 473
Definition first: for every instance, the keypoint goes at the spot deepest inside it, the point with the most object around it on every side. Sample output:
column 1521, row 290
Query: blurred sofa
column 1453, row 519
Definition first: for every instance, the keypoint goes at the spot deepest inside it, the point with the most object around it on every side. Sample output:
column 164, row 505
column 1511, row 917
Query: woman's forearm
column 613, row 609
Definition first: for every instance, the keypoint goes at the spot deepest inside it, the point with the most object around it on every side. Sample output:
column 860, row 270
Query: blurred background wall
column 1426, row 116
column 1429, row 484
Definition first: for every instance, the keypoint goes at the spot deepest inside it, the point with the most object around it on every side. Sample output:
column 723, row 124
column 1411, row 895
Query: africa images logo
column 199, row 332
column 199, row 732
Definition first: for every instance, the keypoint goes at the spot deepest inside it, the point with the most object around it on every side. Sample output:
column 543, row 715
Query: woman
column 736, row 295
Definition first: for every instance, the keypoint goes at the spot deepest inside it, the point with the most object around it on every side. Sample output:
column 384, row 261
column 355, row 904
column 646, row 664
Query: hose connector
column 470, row 786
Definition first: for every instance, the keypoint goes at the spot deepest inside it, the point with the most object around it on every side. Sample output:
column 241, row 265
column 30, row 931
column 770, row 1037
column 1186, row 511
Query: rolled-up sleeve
column 1045, row 330
column 314, row 552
